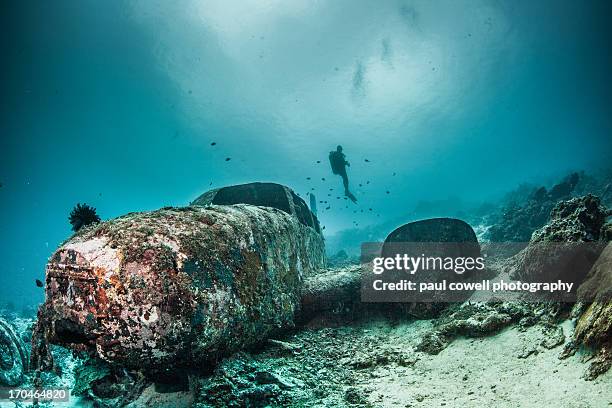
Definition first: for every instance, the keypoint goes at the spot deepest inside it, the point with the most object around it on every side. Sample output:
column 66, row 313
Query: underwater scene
column 264, row 203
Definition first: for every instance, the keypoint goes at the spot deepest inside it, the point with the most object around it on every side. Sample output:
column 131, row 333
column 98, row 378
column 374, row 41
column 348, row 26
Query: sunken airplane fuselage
column 183, row 286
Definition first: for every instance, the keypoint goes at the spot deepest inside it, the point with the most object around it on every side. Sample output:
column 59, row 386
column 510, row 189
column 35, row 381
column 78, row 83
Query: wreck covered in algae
column 181, row 287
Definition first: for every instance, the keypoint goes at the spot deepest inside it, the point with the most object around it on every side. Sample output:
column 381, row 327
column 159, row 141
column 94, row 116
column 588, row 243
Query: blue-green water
column 116, row 104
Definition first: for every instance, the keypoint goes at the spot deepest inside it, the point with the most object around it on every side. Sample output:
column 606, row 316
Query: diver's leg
column 345, row 182
column 346, row 188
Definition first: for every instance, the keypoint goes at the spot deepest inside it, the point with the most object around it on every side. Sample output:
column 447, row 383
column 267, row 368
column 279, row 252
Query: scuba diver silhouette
column 338, row 163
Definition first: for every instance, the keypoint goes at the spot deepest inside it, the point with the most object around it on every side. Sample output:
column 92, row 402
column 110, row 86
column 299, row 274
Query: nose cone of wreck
column 112, row 309
column 73, row 299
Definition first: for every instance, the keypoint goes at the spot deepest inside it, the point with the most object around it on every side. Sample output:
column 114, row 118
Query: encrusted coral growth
column 594, row 325
column 567, row 246
column 519, row 220
column 577, row 220
column 483, row 319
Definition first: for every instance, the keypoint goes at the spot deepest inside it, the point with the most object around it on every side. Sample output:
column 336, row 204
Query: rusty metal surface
column 178, row 286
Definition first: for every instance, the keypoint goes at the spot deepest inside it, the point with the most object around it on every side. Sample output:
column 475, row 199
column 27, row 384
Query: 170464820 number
column 34, row 394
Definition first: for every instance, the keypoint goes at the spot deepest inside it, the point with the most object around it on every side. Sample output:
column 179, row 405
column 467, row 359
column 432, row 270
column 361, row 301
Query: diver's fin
column 351, row 196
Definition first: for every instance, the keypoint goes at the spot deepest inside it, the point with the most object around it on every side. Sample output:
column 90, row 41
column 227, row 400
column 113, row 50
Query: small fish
column 367, row 161
column 319, row 161
column 312, row 188
column 307, row 178
column 361, row 185
column 323, row 227
column 369, row 209
column 228, row 158
column 323, row 178
column 327, row 208
column 394, row 173
column 367, row 182
column 213, row 143
column 388, row 192
column 39, row 283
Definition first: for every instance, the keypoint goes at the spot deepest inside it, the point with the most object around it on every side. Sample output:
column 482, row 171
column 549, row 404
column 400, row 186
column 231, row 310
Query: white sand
column 486, row 372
